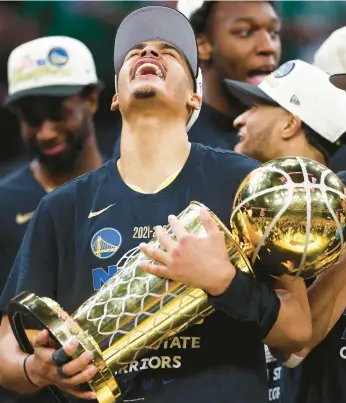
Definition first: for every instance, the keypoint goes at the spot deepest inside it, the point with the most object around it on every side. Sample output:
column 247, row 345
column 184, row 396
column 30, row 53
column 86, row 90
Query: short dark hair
column 327, row 148
column 89, row 89
column 199, row 18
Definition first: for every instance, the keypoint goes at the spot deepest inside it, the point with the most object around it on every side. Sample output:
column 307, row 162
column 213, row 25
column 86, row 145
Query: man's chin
column 63, row 164
column 145, row 92
column 238, row 148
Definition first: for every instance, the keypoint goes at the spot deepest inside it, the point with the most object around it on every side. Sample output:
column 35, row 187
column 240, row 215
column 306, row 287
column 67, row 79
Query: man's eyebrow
column 253, row 21
column 170, row 47
column 161, row 46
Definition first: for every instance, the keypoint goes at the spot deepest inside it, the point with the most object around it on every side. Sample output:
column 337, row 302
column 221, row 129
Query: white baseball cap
column 305, row 91
column 331, row 56
column 54, row 66
column 188, row 7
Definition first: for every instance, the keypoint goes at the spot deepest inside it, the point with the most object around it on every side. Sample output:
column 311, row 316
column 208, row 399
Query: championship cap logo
column 58, row 57
column 283, row 70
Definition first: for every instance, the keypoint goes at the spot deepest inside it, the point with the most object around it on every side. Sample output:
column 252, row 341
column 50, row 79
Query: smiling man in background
column 53, row 90
column 297, row 111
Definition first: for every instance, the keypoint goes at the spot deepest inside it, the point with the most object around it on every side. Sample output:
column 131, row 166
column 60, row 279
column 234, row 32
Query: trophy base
column 61, row 327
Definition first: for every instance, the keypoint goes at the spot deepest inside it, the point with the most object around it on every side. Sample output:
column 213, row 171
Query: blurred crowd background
column 306, row 24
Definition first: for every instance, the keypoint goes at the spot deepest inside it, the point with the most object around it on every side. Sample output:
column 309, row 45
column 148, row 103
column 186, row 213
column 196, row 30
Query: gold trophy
column 275, row 216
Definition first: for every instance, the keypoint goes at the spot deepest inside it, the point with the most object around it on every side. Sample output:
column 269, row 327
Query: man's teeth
column 150, row 65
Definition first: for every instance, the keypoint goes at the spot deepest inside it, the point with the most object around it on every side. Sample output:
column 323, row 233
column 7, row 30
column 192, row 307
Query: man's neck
column 303, row 150
column 151, row 150
column 215, row 95
column 89, row 159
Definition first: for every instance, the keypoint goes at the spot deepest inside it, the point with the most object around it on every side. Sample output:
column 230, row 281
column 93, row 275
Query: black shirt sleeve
column 342, row 176
column 36, row 265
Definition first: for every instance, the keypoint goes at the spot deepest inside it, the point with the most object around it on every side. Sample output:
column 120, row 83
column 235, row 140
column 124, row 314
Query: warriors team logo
column 58, row 57
column 283, row 70
column 105, row 243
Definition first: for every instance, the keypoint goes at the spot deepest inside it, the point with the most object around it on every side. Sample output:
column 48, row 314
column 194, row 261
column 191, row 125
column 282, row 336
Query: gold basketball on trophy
column 289, row 217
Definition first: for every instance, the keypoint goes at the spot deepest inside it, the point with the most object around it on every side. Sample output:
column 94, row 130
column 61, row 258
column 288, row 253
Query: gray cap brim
column 339, row 80
column 156, row 23
column 248, row 93
column 50, row 90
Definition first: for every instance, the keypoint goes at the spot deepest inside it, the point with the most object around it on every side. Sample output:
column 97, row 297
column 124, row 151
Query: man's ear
column 115, row 103
column 204, row 47
column 93, row 102
column 292, row 126
column 195, row 102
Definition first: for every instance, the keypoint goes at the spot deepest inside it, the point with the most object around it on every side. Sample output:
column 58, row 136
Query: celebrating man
column 123, row 203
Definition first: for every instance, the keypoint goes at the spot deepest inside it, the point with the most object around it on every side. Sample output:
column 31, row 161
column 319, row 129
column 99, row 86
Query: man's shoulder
column 229, row 160
column 342, row 176
column 19, row 190
column 81, row 186
column 17, row 179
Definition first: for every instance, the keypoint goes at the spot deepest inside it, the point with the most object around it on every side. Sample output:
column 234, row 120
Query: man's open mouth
column 256, row 76
column 144, row 68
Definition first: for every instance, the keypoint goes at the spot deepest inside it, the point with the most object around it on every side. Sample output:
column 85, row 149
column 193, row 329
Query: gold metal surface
column 291, row 211
column 129, row 316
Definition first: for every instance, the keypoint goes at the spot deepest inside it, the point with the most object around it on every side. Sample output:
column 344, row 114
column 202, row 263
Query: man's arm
column 12, row 378
column 292, row 328
column 35, row 270
column 326, row 295
column 279, row 317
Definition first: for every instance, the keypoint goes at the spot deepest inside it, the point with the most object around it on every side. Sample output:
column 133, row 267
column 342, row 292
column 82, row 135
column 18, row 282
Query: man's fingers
column 83, row 376
column 156, row 254
column 165, row 240
column 41, row 339
column 65, row 353
column 177, row 227
column 70, row 348
column 89, row 395
column 156, row 270
column 207, row 222
column 78, row 364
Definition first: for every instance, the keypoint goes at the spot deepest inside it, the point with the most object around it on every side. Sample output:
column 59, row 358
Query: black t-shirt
column 320, row 378
column 338, row 162
column 218, row 360
column 212, row 128
column 273, row 374
column 20, row 194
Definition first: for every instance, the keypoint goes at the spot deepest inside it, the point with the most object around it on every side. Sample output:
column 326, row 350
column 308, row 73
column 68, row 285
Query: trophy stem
column 191, row 306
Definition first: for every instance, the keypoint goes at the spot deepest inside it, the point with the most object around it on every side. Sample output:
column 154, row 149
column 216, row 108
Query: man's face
column 244, row 39
column 54, row 130
column 155, row 71
column 259, row 130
